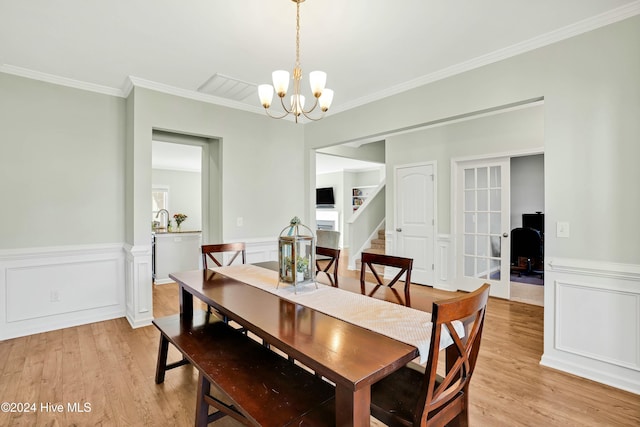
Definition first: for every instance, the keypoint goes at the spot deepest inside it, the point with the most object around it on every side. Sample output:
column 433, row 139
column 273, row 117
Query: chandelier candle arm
column 317, row 81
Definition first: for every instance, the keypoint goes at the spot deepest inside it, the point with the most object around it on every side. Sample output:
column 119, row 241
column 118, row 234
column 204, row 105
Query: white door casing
column 415, row 219
column 481, row 189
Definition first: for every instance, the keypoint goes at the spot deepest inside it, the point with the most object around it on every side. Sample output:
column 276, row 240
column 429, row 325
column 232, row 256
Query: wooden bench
column 254, row 385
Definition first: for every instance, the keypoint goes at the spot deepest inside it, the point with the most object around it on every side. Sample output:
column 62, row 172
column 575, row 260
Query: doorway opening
column 527, row 229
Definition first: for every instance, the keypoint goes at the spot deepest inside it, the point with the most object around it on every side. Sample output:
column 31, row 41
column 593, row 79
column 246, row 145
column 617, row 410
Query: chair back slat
column 331, row 257
column 209, row 253
column 405, row 265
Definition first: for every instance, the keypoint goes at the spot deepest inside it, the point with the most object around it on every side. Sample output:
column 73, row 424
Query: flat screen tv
column 324, row 197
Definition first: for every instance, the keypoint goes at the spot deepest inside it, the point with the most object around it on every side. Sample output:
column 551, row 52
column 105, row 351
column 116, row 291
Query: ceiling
column 179, row 157
column 369, row 49
column 327, row 163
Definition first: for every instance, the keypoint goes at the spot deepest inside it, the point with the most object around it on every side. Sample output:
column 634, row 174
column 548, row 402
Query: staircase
column 377, row 246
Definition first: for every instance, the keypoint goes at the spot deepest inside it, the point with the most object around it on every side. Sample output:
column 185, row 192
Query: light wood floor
column 111, row 366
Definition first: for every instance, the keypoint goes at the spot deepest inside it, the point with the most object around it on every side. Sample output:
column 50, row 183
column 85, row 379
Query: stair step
column 378, row 244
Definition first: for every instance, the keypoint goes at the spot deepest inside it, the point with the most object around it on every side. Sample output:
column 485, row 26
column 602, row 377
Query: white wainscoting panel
column 260, row 250
column 444, row 263
column 45, row 289
column 139, row 285
column 598, row 323
column 592, row 321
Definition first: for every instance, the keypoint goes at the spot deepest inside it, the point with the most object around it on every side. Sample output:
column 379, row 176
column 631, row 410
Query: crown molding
column 134, row 81
column 586, row 25
column 191, row 94
column 62, row 81
column 580, row 27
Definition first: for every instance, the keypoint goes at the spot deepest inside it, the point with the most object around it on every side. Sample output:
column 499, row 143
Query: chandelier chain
column 297, row 34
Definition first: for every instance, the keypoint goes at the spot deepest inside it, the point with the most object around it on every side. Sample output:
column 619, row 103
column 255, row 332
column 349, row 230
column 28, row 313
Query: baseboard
column 623, row 381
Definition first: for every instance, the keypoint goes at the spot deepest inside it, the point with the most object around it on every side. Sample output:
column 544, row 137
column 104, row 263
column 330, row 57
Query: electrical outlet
column 55, row 296
column 239, row 221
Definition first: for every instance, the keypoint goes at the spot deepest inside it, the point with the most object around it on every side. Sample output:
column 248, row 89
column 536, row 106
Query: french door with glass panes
column 482, row 221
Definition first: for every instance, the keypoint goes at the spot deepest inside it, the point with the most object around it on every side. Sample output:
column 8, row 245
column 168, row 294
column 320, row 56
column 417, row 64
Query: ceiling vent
column 228, row 87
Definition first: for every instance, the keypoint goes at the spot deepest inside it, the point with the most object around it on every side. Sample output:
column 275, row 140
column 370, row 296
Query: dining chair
column 410, row 397
column 328, row 239
column 209, row 253
column 330, row 258
column 404, row 265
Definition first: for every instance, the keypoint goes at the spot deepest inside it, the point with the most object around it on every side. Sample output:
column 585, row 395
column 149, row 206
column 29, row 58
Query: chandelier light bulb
column 325, row 99
column 281, row 82
column 265, row 93
column 297, row 104
column 317, row 80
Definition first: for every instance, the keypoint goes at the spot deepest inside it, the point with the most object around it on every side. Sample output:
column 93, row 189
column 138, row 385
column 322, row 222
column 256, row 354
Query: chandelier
column 317, row 80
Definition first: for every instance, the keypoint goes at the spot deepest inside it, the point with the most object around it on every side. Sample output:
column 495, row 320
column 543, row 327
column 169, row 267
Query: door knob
column 505, row 234
column 399, row 230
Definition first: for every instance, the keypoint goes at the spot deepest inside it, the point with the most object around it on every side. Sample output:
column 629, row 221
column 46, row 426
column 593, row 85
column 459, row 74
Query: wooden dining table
column 350, row 356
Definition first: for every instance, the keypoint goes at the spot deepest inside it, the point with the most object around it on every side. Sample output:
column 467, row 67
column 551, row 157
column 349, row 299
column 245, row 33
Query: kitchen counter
column 175, row 232
column 175, row 251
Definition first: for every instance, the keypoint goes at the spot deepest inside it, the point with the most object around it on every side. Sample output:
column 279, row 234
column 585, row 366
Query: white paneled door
column 415, row 219
column 482, row 194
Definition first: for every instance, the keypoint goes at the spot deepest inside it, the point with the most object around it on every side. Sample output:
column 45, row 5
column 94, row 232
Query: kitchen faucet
column 167, row 212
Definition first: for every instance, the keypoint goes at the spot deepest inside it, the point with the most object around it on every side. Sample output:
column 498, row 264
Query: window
column 159, row 200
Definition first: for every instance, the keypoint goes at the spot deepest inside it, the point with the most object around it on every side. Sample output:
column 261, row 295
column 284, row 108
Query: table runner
column 401, row 323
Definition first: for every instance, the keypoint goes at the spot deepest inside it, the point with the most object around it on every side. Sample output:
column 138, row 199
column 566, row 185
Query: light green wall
column 591, row 90
column 261, row 164
column 371, row 152
column 515, row 130
column 184, row 195
column 61, row 165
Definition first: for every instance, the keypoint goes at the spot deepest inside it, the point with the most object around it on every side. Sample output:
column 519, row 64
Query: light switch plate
column 562, row 229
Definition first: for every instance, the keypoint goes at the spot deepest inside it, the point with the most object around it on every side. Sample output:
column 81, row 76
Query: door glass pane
column 483, row 200
column 495, row 269
column 483, row 223
column 469, row 266
column 483, row 269
column 470, row 199
column 495, row 226
column 483, row 246
column 496, row 243
column 482, row 178
column 469, row 244
column 469, row 178
column 496, row 199
column 469, row 223
column 495, row 177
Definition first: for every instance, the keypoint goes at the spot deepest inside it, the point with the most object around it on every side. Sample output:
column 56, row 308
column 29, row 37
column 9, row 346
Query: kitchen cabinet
column 173, row 252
